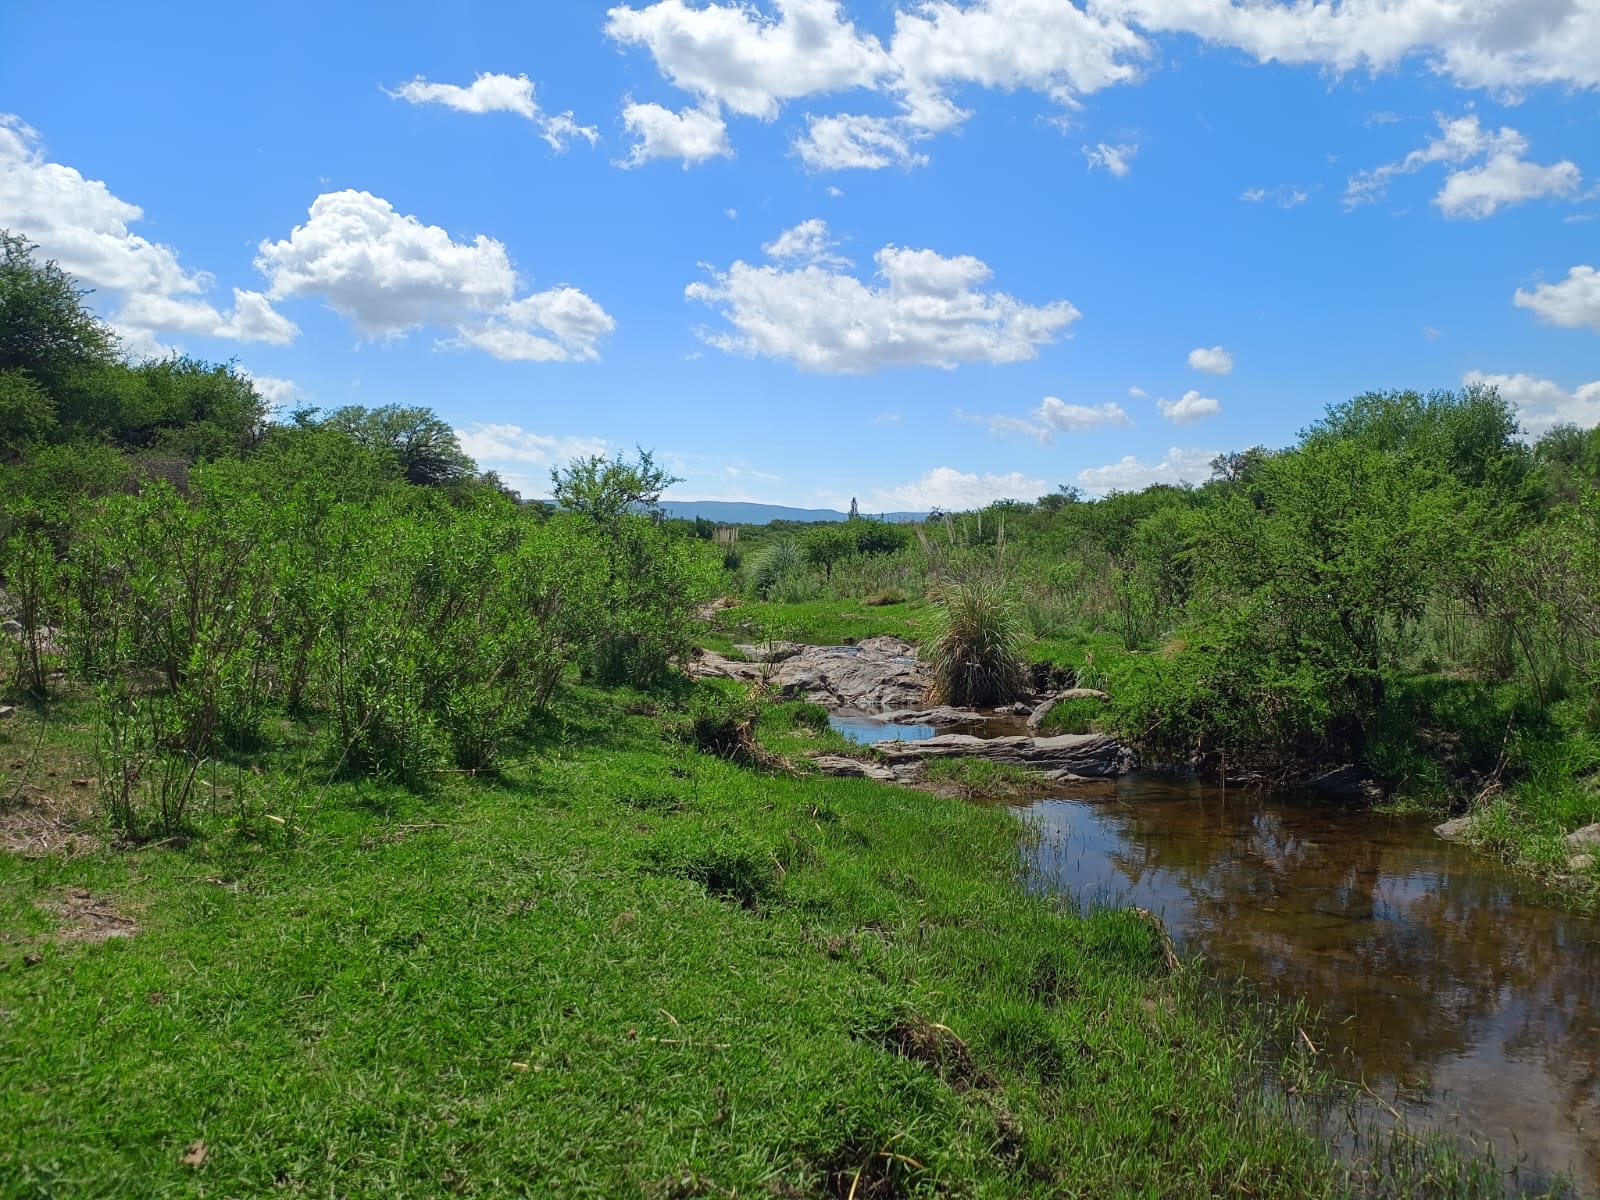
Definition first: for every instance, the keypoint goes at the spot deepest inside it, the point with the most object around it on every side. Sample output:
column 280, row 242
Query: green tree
column 605, row 488
column 422, row 447
column 45, row 329
column 27, row 412
column 825, row 545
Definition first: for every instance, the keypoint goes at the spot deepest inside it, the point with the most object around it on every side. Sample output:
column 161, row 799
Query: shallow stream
column 1460, row 993
column 1456, row 990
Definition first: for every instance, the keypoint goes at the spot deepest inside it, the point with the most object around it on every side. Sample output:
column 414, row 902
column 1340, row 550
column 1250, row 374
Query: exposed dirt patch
column 86, row 917
column 37, row 823
column 937, row 1047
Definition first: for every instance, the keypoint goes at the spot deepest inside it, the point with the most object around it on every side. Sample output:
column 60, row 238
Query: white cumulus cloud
column 1500, row 176
column 276, row 391
column 1542, row 403
column 1116, row 159
column 1215, row 361
column 1191, row 408
column 500, row 93
column 845, row 142
column 735, row 56
column 1051, row 417
column 1503, row 45
column 752, row 58
column 1130, row 475
column 1572, row 303
column 389, row 274
column 954, row 491
column 808, row 241
column 84, row 226
column 922, row 310
column 693, row 135
column 523, row 459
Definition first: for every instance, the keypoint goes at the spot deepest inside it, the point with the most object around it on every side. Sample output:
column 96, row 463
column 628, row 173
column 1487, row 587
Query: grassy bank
column 1441, row 744
column 620, row 968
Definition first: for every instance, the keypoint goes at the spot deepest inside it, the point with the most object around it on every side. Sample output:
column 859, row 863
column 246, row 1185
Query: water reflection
column 867, row 730
column 1440, row 976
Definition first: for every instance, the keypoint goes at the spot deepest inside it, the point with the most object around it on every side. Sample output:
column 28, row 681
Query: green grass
column 620, row 968
column 1082, row 715
column 824, row 622
column 983, row 778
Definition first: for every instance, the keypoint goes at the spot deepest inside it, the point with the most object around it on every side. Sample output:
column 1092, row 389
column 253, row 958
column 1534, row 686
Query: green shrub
column 975, row 660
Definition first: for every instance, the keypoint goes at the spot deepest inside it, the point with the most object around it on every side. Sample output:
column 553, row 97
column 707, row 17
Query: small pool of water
column 866, row 730
column 1450, row 985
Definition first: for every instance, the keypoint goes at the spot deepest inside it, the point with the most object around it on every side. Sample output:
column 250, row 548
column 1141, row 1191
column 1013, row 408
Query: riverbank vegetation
column 361, row 836
column 1410, row 594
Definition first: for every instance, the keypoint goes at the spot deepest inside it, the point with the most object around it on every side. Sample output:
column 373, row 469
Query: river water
column 1456, row 990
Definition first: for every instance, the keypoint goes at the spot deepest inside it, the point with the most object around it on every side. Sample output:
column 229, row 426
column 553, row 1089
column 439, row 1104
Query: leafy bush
column 975, row 660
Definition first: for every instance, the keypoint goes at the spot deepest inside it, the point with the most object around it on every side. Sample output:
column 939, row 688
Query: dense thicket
column 204, row 568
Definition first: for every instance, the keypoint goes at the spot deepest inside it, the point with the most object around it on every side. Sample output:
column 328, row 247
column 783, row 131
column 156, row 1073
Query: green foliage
column 825, row 545
column 45, row 330
column 605, row 490
column 27, row 413
column 974, row 659
column 722, row 722
column 421, row 447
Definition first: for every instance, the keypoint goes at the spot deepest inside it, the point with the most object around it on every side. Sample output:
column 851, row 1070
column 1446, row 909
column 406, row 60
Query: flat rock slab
column 768, row 652
column 878, row 675
column 941, row 715
column 1086, row 755
column 853, row 768
column 711, row 665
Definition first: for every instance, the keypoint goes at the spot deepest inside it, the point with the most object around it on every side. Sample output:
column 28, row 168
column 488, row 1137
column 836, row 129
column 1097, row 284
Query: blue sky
column 921, row 253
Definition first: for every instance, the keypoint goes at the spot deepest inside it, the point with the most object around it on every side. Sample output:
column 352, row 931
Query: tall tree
column 45, row 329
column 421, row 446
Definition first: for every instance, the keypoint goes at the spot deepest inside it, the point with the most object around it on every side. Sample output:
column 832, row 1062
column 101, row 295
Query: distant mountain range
column 737, row 512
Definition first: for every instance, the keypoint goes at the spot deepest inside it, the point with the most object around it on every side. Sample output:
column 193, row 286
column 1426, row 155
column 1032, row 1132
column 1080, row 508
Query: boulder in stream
column 1455, row 830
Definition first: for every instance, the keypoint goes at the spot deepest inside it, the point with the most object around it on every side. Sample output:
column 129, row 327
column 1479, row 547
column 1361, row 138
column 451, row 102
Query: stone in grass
column 1587, row 838
column 851, row 768
column 7, row 711
column 1580, row 862
column 1455, row 830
